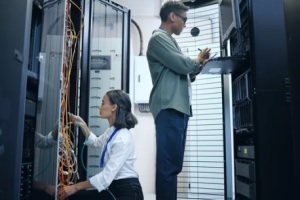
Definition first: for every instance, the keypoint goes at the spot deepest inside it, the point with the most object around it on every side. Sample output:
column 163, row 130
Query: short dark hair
column 171, row 6
column 124, row 116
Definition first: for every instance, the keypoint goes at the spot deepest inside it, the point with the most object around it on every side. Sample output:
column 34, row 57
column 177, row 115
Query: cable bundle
column 67, row 169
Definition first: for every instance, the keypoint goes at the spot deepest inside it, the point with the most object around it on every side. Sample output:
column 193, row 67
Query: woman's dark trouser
column 171, row 126
column 122, row 189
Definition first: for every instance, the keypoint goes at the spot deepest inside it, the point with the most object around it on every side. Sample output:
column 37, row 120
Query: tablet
column 222, row 65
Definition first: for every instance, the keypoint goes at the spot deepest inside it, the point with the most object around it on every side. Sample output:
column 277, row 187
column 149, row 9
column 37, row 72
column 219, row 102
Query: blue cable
column 89, row 174
column 111, row 194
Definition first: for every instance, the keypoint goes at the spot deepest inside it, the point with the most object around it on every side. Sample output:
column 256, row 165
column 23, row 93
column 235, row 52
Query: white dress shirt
column 119, row 157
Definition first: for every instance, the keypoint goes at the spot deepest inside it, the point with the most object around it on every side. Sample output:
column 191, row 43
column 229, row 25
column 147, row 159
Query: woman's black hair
column 171, row 6
column 124, row 116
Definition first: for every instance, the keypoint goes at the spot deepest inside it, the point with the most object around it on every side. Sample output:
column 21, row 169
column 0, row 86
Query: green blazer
column 169, row 69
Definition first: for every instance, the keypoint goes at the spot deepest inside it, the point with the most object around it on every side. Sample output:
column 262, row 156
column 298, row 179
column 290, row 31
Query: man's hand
column 203, row 56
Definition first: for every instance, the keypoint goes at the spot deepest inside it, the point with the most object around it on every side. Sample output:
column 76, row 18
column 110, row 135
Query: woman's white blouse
column 119, row 157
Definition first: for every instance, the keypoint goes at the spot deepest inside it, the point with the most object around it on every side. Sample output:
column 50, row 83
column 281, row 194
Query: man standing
column 170, row 98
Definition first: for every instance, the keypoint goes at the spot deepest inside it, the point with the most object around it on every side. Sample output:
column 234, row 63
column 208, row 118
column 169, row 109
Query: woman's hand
column 68, row 190
column 75, row 119
column 78, row 121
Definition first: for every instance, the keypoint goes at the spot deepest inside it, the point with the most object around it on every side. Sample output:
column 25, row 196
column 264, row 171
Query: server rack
column 262, row 104
column 16, row 157
column 28, row 149
column 105, row 66
column 20, row 93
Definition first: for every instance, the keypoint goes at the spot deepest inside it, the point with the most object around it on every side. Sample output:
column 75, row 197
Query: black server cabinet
column 262, row 104
column 19, row 84
column 114, row 28
column 292, row 17
column 14, row 51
